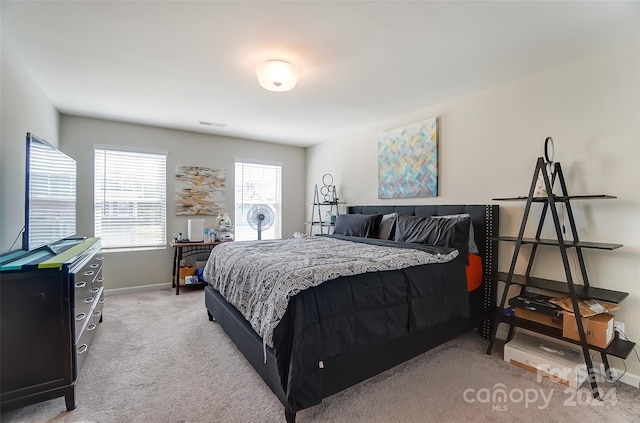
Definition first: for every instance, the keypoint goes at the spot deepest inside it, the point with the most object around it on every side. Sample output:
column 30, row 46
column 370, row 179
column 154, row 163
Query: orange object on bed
column 474, row 272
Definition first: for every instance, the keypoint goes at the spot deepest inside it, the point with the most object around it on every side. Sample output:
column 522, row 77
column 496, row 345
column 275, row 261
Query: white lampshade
column 276, row 75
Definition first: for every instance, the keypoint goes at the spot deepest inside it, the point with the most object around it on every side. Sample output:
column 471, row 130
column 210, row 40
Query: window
column 257, row 183
column 130, row 198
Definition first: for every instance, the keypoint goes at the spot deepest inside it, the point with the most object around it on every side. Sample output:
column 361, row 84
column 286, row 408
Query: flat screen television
column 50, row 195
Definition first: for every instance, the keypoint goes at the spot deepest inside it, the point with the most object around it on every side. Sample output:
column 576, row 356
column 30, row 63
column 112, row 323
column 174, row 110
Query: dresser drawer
column 82, row 306
column 97, row 312
column 83, row 344
column 81, row 290
column 83, row 280
column 98, row 281
column 83, row 300
column 80, row 320
column 92, row 268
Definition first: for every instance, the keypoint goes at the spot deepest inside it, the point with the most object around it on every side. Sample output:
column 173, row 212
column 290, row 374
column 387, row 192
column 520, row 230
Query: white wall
column 25, row 108
column 489, row 142
column 141, row 268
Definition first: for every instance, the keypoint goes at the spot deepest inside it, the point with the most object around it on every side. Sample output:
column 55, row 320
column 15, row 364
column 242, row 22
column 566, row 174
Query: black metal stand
column 621, row 348
column 316, row 213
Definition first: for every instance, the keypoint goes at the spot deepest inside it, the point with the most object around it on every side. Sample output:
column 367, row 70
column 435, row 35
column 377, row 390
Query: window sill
column 130, row 249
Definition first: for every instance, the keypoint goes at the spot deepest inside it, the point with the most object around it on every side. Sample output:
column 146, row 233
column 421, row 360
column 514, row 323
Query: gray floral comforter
column 259, row 277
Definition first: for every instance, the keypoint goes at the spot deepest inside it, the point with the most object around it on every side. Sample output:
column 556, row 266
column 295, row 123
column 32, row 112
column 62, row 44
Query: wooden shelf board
column 558, row 198
column 582, row 291
column 618, row 347
column 567, row 243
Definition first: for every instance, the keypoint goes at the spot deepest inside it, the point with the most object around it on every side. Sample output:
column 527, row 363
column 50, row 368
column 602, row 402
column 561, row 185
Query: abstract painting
column 408, row 161
column 199, row 190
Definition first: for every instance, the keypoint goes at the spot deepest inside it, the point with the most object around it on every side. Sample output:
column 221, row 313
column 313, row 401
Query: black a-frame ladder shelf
column 618, row 347
column 331, row 206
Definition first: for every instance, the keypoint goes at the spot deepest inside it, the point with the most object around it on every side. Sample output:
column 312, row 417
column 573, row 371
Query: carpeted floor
column 157, row 358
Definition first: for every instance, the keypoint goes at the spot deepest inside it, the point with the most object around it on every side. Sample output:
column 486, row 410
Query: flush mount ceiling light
column 277, row 75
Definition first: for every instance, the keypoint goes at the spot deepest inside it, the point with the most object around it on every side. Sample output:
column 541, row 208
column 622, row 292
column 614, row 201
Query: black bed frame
column 352, row 368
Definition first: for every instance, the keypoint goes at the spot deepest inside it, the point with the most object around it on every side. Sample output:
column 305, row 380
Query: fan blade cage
column 260, row 217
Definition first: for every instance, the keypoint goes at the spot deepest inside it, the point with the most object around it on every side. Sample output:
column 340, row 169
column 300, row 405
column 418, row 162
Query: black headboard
column 485, row 219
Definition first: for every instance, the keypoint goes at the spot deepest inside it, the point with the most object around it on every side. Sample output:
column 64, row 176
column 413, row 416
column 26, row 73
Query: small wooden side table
column 186, row 249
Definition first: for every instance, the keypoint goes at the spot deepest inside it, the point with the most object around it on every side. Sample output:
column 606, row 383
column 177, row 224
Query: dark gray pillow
column 452, row 233
column 473, row 247
column 362, row 225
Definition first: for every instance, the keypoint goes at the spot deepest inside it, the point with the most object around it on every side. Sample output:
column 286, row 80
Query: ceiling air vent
column 217, row 125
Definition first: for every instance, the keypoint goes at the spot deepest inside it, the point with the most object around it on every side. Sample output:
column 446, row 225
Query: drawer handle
column 91, row 327
column 101, row 301
column 99, row 280
column 94, row 290
column 99, row 258
column 80, row 317
column 80, row 285
column 82, row 348
column 88, row 300
column 94, row 265
column 89, row 273
column 97, row 314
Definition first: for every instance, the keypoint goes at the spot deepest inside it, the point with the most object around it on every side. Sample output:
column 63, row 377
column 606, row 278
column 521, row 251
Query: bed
column 334, row 333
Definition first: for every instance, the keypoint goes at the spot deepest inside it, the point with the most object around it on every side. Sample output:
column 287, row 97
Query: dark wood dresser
column 51, row 303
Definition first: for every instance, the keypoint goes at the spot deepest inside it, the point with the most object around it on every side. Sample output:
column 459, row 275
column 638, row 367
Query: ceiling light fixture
column 277, row 75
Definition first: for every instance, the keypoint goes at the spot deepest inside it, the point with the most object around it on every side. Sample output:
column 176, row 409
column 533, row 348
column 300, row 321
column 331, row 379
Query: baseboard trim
column 627, row 378
column 116, row 291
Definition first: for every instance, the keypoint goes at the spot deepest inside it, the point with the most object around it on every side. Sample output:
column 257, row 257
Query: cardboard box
column 544, row 319
column 185, row 271
column 188, row 280
column 598, row 329
column 553, row 359
column 588, row 307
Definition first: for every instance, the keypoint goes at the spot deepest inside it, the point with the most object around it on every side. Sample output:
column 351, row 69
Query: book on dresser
column 51, row 302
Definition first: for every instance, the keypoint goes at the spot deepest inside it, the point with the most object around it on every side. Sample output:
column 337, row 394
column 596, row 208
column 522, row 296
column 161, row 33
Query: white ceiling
column 172, row 64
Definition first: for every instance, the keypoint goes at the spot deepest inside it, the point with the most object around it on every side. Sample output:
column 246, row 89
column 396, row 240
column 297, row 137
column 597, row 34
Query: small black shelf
column 567, row 243
column 582, row 292
column 618, row 347
column 327, row 203
column 558, row 198
column 319, row 223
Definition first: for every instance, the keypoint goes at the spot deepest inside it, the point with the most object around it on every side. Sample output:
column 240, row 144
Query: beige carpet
column 157, row 358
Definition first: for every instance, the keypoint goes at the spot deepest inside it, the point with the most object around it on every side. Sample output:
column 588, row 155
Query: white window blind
column 130, row 198
column 257, row 183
